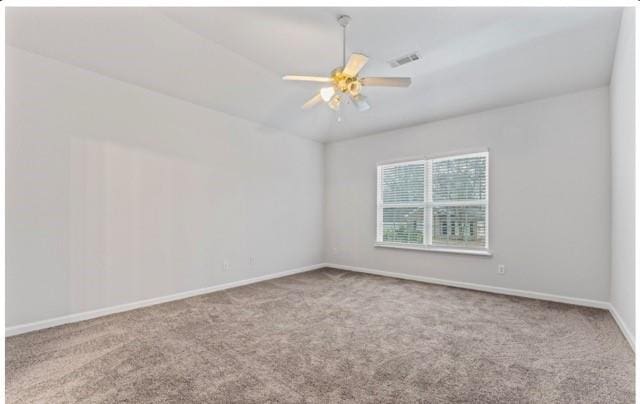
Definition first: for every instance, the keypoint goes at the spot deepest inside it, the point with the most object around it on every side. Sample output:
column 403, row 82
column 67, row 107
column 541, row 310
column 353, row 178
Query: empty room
column 320, row 204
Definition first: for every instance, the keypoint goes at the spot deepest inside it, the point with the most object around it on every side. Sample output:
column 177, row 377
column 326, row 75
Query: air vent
column 403, row 60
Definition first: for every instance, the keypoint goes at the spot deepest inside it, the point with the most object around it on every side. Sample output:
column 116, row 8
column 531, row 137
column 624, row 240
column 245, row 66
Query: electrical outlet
column 501, row 270
column 226, row 265
column 252, row 260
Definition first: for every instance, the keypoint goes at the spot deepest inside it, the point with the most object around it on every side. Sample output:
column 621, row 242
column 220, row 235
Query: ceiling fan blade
column 360, row 102
column 312, row 101
column 386, row 81
column 355, row 63
column 308, row 78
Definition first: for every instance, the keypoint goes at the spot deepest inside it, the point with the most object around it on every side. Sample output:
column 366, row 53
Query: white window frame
column 381, row 205
column 428, row 205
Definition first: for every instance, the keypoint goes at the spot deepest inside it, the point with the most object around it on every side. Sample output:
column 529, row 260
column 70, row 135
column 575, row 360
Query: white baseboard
column 623, row 327
column 475, row 286
column 87, row 315
column 504, row 291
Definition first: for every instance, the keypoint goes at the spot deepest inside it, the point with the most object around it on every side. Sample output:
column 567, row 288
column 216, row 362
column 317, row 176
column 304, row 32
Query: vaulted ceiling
column 232, row 59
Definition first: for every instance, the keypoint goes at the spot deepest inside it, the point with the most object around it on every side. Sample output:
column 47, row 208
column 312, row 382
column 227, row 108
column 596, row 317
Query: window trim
column 427, row 245
column 421, row 247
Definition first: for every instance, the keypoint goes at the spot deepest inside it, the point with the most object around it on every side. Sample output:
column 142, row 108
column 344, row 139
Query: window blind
column 439, row 202
column 401, row 199
column 458, row 202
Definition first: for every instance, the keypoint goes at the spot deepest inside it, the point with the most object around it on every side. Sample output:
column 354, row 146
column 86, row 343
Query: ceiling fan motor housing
column 344, row 83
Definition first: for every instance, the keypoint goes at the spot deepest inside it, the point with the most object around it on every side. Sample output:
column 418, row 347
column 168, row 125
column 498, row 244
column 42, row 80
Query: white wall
column 622, row 92
column 117, row 194
column 549, row 196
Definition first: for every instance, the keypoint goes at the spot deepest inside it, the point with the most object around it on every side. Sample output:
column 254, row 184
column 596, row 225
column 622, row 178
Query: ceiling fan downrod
column 344, row 20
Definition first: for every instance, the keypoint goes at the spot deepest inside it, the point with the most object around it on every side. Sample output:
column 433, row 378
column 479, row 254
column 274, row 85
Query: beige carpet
column 330, row 336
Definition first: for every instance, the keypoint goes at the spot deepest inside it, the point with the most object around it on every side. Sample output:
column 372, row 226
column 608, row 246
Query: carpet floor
column 330, row 336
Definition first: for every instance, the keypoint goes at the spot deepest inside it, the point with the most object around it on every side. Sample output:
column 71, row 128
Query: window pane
column 459, row 226
column 403, row 225
column 403, row 184
column 459, row 179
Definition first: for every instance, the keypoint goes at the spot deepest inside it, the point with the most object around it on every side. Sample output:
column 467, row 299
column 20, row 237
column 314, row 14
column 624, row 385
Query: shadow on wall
column 142, row 223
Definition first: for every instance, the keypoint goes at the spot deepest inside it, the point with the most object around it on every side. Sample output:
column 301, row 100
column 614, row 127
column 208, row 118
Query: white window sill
column 463, row 251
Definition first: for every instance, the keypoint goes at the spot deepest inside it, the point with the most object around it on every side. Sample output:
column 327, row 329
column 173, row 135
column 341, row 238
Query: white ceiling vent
column 403, row 60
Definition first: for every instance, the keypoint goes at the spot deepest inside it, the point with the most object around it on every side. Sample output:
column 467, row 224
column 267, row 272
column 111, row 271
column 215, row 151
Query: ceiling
column 232, row 59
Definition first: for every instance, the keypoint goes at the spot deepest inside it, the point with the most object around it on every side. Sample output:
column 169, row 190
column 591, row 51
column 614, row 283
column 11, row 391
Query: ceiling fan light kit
column 345, row 83
column 360, row 101
column 327, row 93
column 334, row 103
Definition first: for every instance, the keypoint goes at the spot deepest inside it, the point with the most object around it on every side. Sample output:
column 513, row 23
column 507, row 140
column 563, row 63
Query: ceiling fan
column 344, row 84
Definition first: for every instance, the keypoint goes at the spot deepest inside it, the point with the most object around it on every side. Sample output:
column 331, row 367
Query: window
column 401, row 202
column 434, row 204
